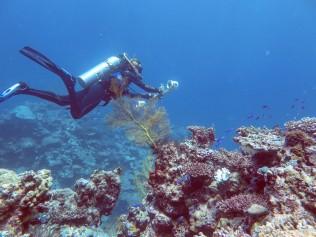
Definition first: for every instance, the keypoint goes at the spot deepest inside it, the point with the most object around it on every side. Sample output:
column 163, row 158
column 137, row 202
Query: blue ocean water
column 230, row 58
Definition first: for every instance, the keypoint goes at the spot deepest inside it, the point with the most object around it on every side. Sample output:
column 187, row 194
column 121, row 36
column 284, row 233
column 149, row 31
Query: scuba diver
column 104, row 82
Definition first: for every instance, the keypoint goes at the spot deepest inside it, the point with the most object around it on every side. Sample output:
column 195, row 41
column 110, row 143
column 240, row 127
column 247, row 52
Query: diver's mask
column 105, row 69
column 136, row 63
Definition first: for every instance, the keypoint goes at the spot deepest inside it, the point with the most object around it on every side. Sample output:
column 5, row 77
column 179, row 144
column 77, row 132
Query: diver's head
column 136, row 63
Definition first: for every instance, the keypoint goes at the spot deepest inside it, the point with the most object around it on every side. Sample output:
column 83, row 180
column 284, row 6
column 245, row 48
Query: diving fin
column 13, row 90
column 42, row 60
column 48, row 64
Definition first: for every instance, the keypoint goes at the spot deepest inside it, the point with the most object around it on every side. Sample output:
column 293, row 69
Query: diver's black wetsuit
column 85, row 100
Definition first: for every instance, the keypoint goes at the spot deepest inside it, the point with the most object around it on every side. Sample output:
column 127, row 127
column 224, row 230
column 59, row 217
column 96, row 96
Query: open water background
column 232, row 58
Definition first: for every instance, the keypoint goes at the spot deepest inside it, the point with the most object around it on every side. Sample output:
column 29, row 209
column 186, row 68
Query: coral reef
column 67, row 231
column 266, row 189
column 307, row 125
column 28, row 206
column 20, row 195
column 38, row 136
column 253, row 140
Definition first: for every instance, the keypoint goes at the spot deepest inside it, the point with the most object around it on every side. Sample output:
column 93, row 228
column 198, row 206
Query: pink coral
column 198, row 169
column 240, row 203
column 201, row 136
column 307, row 125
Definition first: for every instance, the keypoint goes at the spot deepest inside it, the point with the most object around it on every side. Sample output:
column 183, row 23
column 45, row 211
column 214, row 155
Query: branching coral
column 240, row 203
column 198, row 169
column 146, row 125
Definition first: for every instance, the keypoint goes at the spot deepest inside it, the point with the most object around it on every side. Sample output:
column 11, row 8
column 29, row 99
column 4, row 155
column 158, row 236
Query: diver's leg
column 80, row 103
column 12, row 90
column 41, row 59
column 46, row 95
column 21, row 88
column 87, row 99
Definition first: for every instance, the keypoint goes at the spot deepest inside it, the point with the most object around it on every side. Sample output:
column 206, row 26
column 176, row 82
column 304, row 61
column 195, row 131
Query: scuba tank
column 104, row 70
column 101, row 71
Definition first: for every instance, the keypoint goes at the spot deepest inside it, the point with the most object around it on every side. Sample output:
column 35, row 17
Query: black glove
column 155, row 95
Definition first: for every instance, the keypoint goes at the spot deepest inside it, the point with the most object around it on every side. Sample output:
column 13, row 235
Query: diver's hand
column 160, row 94
column 155, row 95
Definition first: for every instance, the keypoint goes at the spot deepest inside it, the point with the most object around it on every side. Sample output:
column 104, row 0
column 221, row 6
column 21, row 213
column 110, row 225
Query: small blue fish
column 183, row 179
column 138, row 205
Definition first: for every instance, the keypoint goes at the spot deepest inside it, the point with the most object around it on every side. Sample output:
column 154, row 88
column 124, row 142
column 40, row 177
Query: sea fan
column 145, row 125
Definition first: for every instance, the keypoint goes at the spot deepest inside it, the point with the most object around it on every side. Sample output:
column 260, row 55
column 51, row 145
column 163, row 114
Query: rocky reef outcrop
column 267, row 188
column 28, row 207
column 20, row 195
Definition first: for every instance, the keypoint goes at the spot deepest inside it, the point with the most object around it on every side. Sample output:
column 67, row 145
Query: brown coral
column 203, row 137
column 19, row 197
column 292, row 225
column 240, row 203
column 299, row 142
column 307, row 125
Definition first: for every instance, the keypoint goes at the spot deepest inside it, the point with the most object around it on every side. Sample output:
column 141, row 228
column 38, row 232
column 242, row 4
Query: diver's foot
column 13, row 90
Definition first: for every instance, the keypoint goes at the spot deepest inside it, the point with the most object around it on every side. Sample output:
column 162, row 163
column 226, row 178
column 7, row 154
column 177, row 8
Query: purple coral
column 90, row 200
column 197, row 169
column 307, row 125
column 240, row 203
column 201, row 136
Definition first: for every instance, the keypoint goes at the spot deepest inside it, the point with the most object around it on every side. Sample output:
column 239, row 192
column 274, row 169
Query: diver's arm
column 137, row 95
column 137, row 81
column 146, row 87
